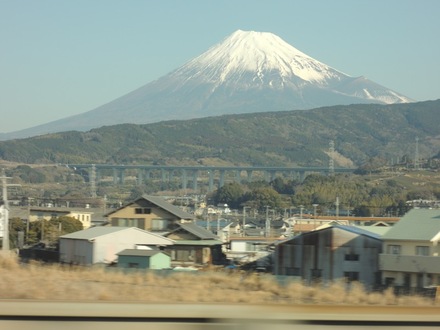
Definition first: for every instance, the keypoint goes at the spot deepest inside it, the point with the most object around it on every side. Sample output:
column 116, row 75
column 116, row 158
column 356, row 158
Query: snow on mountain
column 259, row 53
column 246, row 72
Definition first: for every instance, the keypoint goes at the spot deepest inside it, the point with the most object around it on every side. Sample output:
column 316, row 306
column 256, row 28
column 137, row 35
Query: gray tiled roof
column 163, row 204
column 417, row 224
column 198, row 231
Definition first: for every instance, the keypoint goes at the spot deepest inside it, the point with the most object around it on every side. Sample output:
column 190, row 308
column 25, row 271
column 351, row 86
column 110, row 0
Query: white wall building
column 101, row 244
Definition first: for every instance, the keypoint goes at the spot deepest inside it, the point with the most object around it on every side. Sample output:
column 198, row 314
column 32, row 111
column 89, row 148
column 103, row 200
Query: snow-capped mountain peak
column 259, row 53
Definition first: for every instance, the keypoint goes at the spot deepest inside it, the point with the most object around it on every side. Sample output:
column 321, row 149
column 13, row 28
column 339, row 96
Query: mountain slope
column 247, row 72
column 285, row 138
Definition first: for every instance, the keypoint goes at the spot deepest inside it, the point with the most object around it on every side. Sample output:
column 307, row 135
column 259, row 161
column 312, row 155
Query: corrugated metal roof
column 93, row 232
column 379, row 230
column 163, row 204
column 358, row 231
column 417, row 224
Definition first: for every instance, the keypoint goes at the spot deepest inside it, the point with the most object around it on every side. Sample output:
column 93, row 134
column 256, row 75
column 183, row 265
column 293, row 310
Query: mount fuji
column 245, row 73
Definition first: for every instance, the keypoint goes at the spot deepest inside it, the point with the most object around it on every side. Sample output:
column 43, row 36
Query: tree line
column 355, row 194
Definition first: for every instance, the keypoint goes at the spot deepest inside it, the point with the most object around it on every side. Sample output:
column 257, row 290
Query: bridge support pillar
column 249, row 175
column 163, row 178
column 195, row 178
column 237, row 176
column 221, row 182
column 184, row 180
column 115, row 176
column 211, row 180
column 122, row 176
column 140, row 176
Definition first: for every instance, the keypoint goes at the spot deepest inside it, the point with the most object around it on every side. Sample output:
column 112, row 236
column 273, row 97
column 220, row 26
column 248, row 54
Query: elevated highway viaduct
column 190, row 176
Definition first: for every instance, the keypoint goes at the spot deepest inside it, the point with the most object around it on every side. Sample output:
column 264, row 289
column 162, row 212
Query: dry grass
column 57, row 282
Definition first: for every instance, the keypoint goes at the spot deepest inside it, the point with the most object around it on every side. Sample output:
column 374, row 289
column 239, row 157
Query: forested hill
column 288, row 138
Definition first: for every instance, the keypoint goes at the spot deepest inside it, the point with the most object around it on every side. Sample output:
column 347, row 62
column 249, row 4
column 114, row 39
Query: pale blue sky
column 60, row 58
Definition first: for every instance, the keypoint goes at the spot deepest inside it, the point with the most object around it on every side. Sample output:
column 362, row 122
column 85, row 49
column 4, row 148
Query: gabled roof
column 417, row 224
column 358, row 231
column 351, row 229
column 161, row 203
column 200, row 232
column 94, row 232
column 139, row 252
column 379, row 230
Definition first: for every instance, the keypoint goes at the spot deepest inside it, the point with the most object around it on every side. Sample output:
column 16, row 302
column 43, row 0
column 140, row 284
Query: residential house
column 250, row 249
column 47, row 213
column 331, row 253
column 194, row 245
column 101, row 244
column 143, row 259
column 411, row 255
column 152, row 213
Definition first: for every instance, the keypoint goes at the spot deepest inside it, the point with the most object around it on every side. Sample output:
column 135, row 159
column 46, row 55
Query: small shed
column 143, row 259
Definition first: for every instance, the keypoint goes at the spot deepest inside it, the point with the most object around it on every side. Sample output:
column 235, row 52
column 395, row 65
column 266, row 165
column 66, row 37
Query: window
column 394, row 249
column 159, row 224
column 352, row 257
column 422, row 250
column 142, row 210
column 316, row 273
column 294, row 271
column 182, row 255
column 127, row 222
column 351, row 276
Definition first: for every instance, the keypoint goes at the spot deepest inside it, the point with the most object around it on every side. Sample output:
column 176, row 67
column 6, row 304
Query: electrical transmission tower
column 416, row 155
column 331, row 163
column 92, row 177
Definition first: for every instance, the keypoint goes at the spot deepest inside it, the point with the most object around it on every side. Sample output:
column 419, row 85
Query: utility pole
column 337, row 208
column 5, row 185
column 244, row 221
column 267, row 222
column 301, row 207
column 314, row 215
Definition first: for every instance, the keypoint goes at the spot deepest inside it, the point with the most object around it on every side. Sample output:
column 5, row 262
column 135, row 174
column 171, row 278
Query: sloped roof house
column 152, row 213
column 411, row 255
column 331, row 253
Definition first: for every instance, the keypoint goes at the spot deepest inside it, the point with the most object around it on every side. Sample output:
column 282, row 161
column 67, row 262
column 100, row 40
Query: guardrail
column 39, row 315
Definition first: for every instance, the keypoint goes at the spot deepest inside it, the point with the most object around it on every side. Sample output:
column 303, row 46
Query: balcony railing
column 410, row 264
